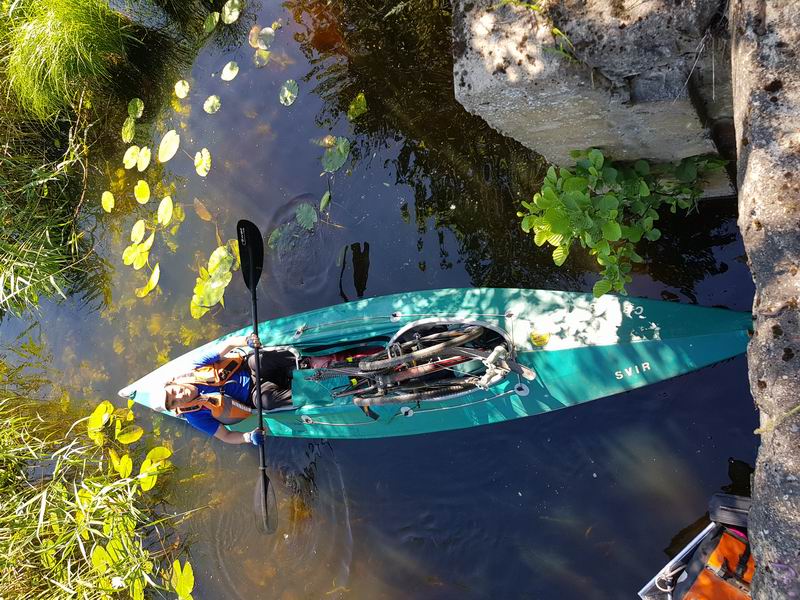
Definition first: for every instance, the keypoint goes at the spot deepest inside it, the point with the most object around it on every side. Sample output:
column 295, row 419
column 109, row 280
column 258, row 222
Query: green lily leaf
column 151, row 284
column 129, row 254
column 165, row 211
column 326, row 200
column 135, row 108
column 288, row 93
column 137, row 232
column 168, row 146
column 212, row 104
column 357, row 107
column 274, row 237
column 131, row 156
column 210, row 22
column 129, row 434
column 182, row 581
column 202, row 162
column 141, row 258
column 261, row 58
column 306, row 215
column 182, row 89
column 231, row 10
column 335, row 157
column 107, row 201
column 220, row 259
column 229, row 71
column 125, row 466
column 265, row 38
column 143, row 160
column 141, row 191
column 128, row 130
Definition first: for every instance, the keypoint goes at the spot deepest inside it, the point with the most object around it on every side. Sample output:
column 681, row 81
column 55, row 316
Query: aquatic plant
column 42, row 250
column 609, row 207
column 77, row 514
column 53, row 50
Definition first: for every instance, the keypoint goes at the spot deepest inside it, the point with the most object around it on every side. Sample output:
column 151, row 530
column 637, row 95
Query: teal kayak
column 553, row 350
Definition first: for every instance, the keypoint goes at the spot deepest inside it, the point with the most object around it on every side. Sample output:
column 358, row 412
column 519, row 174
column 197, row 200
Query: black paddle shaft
column 251, row 253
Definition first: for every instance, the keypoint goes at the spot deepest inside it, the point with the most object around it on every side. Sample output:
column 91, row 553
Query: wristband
column 248, row 438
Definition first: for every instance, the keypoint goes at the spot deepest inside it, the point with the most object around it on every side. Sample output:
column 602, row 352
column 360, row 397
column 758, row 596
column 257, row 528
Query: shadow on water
column 309, row 556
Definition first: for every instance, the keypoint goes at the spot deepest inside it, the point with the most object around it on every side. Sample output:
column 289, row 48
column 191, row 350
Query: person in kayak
column 218, row 391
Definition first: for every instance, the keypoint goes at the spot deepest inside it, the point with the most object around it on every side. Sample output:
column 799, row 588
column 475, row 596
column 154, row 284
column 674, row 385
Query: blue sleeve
column 207, row 358
column 203, row 421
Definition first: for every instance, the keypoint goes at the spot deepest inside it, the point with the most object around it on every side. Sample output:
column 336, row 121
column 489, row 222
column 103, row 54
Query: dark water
column 577, row 504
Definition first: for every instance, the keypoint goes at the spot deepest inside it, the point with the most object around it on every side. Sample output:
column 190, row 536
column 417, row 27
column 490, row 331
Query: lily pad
column 128, row 130
column 252, row 36
column 335, row 157
column 107, row 201
column 212, row 104
column 274, row 237
column 202, row 162
column 210, row 22
column 326, row 200
column 306, row 215
column 137, row 231
column 151, row 284
column 220, row 259
column 182, row 89
column 261, row 58
column 141, row 191
column 135, row 108
column 143, row 159
column 288, row 92
column 165, row 208
column 231, row 10
column 131, row 156
column 230, row 71
column 265, row 38
column 169, row 146
column 357, row 107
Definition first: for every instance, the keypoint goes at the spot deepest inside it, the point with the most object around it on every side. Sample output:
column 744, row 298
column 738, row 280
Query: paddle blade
column 251, row 252
column 265, row 506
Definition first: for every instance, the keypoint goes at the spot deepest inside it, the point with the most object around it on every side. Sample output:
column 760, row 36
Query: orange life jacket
column 726, row 572
column 223, row 408
column 216, row 374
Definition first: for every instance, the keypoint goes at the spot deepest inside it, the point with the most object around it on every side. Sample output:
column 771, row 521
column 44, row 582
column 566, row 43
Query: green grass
column 52, row 50
column 71, row 526
column 42, row 251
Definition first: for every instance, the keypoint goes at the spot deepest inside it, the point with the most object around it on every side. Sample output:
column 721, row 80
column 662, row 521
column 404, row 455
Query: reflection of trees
column 466, row 177
column 402, row 61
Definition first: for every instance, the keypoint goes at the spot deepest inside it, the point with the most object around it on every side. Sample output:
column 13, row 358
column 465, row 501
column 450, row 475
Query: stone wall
column 766, row 92
column 637, row 79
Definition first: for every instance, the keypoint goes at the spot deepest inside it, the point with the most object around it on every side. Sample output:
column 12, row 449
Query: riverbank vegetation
column 608, row 208
column 80, row 506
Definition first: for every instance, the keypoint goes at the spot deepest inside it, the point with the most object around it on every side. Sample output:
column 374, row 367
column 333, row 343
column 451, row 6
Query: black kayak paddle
column 251, row 253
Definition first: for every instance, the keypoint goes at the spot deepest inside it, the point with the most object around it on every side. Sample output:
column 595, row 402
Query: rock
column 765, row 41
column 509, row 69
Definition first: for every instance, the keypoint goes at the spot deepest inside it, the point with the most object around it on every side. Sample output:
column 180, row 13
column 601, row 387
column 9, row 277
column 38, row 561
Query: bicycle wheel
column 459, row 338
column 440, row 390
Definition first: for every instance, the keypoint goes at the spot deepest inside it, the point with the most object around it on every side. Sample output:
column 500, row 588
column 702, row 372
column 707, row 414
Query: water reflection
column 310, row 554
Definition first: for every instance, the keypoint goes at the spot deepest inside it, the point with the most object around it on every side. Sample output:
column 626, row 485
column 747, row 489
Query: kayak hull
column 581, row 348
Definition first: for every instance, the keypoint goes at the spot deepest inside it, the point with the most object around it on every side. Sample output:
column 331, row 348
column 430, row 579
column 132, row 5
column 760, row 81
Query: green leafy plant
column 78, row 506
column 608, row 208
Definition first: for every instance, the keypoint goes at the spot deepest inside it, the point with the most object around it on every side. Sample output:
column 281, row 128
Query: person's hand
column 253, row 341
column 255, row 437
